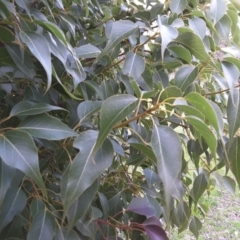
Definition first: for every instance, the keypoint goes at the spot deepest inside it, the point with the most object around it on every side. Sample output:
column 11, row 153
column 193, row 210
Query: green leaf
column 233, row 60
column 203, row 105
column 87, row 51
column 181, row 53
column 7, row 36
column 79, row 207
column 36, row 206
column 42, row 227
column 26, row 108
column 199, row 186
column 229, row 184
column 54, row 29
column 23, row 61
column 46, row 127
column 13, row 204
column 177, row 6
column 217, row 9
column 87, row 108
column 194, row 44
column 114, row 110
column 205, row 132
column 191, row 111
column 185, row 76
column 156, row 10
column 86, row 168
column 119, row 31
column 18, row 150
column 38, row 46
column 4, row 12
column 6, row 175
column 134, row 65
column 234, row 156
column 195, row 226
column 23, row 5
column 169, row 159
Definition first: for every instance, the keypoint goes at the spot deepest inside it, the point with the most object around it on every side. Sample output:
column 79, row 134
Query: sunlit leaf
column 87, row 51
column 217, row 9
column 177, row 6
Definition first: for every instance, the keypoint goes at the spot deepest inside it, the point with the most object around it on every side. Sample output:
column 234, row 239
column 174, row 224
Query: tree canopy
column 115, row 116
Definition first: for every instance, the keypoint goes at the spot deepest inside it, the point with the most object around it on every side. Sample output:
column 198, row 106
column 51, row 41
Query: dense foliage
column 115, row 115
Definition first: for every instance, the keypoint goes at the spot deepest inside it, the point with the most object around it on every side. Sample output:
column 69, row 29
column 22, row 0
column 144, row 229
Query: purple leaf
column 152, row 227
column 141, row 206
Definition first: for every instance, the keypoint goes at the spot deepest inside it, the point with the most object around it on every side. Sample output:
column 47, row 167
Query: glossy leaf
column 14, row 202
column 204, row 107
column 198, row 26
column 169, row 160
column 193, row 43
column 205, row 132
column 134, row 65
column 38, row 46
column 86, row 168
column 195, row 226
column 185, row 76
column 26, row 108
column 42, row 227
column 113, row 111
column 46, row 127
column 119, row 31
column 87, row 108
column 54, row 29
column 18, row 150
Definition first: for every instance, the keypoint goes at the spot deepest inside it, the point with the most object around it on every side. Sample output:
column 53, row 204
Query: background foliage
column 102, row 102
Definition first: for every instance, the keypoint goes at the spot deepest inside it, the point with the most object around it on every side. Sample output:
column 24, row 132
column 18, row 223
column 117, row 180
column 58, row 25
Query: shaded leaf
column 13, row 203
column 46, row 127
column 134, row 65
column 38, row 46
column 26, row 108
column 18, row 150
column 229, row 184
column 42, row 227
column 169, row 160
column 199, row 186
column 234, row 156
column 86, row 168
column 141, row 206
column 181, row 52
column 6, row 36
column 154, row 230
column 223, row 27
column 195, row 226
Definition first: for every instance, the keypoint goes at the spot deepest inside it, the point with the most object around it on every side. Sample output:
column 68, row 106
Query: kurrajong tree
column 104, row 105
